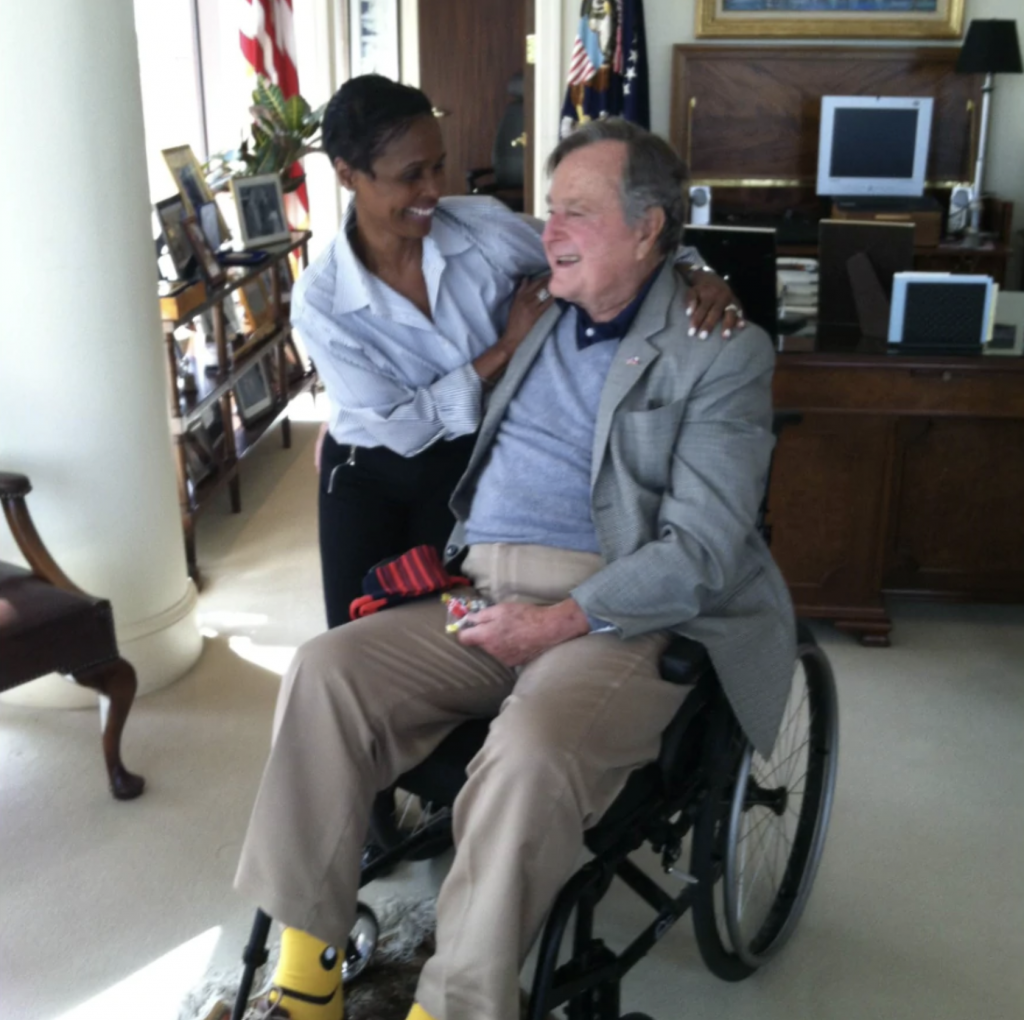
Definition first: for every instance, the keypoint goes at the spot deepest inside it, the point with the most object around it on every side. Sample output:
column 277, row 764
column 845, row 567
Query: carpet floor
column 115, row 910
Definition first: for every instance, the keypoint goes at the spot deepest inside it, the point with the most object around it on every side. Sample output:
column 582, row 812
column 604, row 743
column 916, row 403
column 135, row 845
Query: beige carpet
column 116, row 911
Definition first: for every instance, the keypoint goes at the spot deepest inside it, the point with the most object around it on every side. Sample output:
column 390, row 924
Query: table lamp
column 990, row 48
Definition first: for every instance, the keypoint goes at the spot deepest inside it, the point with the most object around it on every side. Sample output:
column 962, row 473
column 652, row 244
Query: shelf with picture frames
column 228, row 392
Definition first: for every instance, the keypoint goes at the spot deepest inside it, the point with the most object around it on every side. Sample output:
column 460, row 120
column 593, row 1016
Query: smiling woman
column 409, row 315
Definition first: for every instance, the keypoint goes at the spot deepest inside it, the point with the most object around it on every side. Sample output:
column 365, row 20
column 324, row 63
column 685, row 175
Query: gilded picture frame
column 830, row 19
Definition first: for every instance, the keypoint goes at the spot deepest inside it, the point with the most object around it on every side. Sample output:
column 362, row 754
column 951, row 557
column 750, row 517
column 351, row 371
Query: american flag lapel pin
column 632, row 361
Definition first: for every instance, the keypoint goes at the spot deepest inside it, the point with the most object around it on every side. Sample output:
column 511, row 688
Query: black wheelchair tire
column 729, row 952
column 723, row 750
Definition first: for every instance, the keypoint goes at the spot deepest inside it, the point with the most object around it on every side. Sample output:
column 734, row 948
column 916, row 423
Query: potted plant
column 282, row 132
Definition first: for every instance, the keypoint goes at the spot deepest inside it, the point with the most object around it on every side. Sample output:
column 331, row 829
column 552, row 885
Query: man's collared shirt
column 394, row 377
column 589, row 332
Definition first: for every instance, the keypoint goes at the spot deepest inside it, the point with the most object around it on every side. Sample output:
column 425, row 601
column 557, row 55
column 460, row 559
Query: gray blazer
column 681, row 450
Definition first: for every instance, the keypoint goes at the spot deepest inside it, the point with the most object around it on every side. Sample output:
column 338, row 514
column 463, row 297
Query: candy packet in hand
column 461, row 610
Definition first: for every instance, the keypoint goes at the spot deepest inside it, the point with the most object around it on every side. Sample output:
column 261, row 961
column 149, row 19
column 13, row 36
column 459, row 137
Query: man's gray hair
column 654, row 175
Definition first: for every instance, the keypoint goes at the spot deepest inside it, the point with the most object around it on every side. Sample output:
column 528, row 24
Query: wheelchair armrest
column 684, row 661
column 473, row 177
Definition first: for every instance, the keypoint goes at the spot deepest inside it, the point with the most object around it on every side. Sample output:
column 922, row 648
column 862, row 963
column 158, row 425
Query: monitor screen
column 940, row 311
column 873, row 145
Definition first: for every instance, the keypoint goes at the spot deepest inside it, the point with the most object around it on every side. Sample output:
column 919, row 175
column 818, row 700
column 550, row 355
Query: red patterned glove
column 412, row 575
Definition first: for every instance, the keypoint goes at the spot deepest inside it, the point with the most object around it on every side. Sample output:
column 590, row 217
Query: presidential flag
column 608, row 66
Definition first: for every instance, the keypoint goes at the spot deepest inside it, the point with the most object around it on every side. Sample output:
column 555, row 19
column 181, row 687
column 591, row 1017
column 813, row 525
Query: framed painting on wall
column 830, row 19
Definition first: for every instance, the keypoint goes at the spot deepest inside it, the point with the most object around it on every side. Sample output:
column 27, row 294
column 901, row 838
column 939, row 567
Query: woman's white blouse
column 393, row 377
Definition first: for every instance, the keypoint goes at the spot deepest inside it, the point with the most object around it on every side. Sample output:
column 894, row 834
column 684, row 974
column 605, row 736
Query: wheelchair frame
column 660, row 804
column 692, row 787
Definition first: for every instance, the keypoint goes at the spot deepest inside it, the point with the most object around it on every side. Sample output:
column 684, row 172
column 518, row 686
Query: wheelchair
column 756, row 828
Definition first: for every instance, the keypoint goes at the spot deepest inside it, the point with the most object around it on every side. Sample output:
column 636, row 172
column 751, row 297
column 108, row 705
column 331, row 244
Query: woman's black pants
column 374, row 504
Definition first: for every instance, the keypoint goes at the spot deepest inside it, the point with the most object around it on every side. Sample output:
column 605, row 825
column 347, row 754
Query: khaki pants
column 364, row 703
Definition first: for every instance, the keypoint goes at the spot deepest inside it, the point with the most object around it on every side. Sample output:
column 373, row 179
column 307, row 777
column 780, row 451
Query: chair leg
column 116, row 683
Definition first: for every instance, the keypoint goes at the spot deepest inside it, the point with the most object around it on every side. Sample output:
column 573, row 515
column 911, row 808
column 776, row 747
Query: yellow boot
column 307, row 982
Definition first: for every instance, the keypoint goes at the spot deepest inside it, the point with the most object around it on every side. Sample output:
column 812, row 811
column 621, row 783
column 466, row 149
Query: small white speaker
column 700, row 205
column 959, row 208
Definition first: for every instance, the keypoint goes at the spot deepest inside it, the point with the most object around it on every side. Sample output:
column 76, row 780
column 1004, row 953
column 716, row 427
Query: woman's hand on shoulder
column 711, row 300
column 531, row 301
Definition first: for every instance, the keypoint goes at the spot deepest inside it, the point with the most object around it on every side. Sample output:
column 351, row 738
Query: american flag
column 623, row 90
column 267, row 38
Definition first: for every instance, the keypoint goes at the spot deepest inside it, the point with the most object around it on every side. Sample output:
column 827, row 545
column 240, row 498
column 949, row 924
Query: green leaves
column 283, row 131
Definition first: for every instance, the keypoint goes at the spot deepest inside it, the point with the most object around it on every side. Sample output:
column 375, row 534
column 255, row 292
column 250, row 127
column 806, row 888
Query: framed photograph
column 256, row 300
column 1008, row 328
column 830, row 19
column 374, row 39
column 212, row 421
column 284, row 276
column 260, row 204
column 253, row 395
column 199, row 460
column 209, row 222
column 212, row 270
column 191, row 183
column 169, row 213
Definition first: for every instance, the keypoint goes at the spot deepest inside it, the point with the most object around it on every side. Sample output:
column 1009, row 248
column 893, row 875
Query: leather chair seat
column 50, row 630
column 49, row 625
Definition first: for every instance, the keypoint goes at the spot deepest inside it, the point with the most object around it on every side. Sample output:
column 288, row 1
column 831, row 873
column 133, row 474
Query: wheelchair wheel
column 362, row 944
column 396, row 815
column 761, row 832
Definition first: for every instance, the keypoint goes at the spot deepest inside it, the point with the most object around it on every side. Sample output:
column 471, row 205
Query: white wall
column 672, row 21
column 321, row 41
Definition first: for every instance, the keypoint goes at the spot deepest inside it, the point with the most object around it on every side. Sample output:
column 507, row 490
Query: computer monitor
column 746, row 256
column 873, row 145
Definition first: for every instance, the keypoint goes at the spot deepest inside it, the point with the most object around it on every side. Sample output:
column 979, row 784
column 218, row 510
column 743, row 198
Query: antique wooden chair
column 48, row 625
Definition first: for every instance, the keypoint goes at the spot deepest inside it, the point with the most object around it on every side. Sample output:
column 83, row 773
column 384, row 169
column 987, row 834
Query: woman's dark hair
column 366, row 114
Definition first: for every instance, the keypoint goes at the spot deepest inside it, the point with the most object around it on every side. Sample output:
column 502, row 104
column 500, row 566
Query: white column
column 83, row 389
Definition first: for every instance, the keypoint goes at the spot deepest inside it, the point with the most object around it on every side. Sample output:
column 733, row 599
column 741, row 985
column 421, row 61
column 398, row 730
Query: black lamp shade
column 991, row 47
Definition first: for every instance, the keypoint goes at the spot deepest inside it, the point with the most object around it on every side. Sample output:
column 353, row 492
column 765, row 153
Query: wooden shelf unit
column 188, row 408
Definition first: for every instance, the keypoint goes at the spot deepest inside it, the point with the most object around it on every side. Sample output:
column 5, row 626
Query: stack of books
column 798, row 288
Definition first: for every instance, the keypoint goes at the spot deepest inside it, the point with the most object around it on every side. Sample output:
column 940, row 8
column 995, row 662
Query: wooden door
column 468, row 51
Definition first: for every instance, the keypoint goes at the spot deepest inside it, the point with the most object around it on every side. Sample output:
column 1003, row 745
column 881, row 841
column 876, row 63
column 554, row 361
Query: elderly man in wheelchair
column 631, row 679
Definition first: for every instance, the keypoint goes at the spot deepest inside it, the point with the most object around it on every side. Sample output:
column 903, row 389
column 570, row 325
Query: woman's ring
column 543, row 294
column 733, row 307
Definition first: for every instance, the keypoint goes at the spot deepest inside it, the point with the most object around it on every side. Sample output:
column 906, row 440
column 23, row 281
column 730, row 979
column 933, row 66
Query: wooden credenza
column 905, row 477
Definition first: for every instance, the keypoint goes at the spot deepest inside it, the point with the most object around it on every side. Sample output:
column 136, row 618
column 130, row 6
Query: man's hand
column 514, row 632
column 711, row 299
